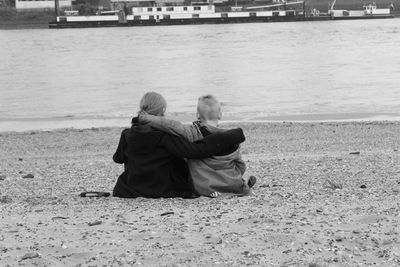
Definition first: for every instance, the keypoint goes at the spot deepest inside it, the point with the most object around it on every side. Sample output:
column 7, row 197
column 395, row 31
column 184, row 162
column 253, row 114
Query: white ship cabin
column 369, row 10
column 173, row 10
column 372, row 10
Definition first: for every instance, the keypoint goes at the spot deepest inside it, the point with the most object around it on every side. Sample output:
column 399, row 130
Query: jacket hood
column 142, row 138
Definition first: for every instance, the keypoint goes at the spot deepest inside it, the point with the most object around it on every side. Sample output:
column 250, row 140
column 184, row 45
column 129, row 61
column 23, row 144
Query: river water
column 262, row 71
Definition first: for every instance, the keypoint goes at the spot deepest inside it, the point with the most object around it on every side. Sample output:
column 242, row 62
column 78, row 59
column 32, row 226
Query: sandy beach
column 294, row 216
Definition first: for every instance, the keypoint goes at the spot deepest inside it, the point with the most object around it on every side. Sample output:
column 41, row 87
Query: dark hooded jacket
column 154, row 160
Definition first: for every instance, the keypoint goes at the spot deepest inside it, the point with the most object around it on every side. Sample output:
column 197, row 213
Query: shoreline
column 292, row 218
column 71, row 122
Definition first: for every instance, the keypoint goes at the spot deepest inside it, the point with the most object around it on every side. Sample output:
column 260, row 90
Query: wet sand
column 294, row 217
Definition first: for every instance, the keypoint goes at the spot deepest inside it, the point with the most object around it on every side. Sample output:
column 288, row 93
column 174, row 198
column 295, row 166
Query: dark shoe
column 95, row 194
column 252, row 181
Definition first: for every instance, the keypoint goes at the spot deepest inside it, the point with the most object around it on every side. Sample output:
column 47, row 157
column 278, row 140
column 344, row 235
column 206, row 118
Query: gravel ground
column 328, row 194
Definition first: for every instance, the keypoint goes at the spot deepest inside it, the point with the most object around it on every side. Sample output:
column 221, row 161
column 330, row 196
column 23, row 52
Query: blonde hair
column 153, row 103
column 208, row 108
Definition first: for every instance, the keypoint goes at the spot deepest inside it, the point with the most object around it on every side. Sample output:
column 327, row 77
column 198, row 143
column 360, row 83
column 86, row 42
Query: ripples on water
column 257, row 70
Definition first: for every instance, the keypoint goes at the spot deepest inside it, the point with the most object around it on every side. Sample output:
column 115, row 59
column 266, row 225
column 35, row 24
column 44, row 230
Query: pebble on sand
column 29, row 175
column 3, row 177
column 94, row 223
column 5, row 199
column 167, row 213
column 30, row 255
column 355, row 153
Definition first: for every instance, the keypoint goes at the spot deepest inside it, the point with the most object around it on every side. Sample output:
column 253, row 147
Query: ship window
column 197, row 8
column 136, row 17
column 185, row 8
column 224, row 15
column 151, row 17
column 170, row 8
column 159, row 8
column 253, row 14
column 167, row 17
column 150, row 9
column 290, row 13
column 195, row 16
column 275, row 13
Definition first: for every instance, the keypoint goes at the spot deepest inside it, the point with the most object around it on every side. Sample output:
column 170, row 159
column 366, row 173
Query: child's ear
column 198, row 116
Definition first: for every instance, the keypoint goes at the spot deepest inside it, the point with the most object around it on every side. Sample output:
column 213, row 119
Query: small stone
column 29, row 175
column 363, row 186
column 20, row 159
column 3, row 177
column 59, row 217
column 5, row 199
column 30, row 255
column 339, row 239
column 167, row 213
column 94, row 223
column 319, row 210
column 355, row 153
column 386, row 242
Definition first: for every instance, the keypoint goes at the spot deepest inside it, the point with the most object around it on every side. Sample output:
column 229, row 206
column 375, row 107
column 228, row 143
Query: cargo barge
column 206, row 14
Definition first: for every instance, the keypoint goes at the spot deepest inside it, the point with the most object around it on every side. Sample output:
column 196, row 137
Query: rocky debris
column 167, row 213
column 94, row 223
column 363, row 186
column 59, row 217
column 29, row 176
column 338, row 239
column 30, row 255
column 5, row 199
column 355, row 153
column 333, row 185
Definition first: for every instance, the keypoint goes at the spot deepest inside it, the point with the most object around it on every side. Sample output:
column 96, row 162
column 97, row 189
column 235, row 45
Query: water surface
column 83, row 77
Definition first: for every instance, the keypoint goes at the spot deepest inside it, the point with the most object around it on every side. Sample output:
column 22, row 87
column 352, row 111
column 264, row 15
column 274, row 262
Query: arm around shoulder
column 207, row 147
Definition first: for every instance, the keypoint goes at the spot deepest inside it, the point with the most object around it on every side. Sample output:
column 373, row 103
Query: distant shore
column 10, row 18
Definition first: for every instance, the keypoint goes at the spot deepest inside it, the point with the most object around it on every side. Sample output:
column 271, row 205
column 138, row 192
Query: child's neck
column 211, row 123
